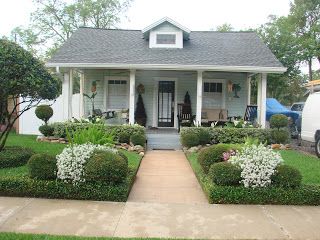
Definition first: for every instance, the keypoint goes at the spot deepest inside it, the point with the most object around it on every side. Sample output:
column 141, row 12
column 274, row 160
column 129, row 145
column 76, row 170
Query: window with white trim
column 117, row 94
column 212, row 95
column 166, row 38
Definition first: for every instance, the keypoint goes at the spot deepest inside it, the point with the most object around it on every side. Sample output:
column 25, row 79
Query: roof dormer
column 166, row 33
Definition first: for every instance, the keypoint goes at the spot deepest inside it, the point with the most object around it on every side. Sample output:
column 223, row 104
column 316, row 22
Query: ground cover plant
column 284, row 190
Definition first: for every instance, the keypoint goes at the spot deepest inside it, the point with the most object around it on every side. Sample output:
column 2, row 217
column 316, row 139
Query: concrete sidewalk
column 166, row 220
column 166, row 177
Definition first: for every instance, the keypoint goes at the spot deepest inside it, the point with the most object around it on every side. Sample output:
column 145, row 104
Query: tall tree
column 226, row 27
column 25, row 81
column 54, row 21
column 305, row 17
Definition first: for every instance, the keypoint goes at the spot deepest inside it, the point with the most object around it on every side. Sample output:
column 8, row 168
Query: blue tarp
column 274, row 107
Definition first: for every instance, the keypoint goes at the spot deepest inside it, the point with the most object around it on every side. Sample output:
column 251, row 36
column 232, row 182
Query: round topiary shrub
column 107, row 167
column 280, row 136
column 124, row 137
column 204, row 137
column 279, row 121
column 286, row 177
column 42, row 166
column 46, row 130
column 211, row 155
column 44, row 112
column 14, row 156
column 190, row 139
column 225, row 174
column 138, row 139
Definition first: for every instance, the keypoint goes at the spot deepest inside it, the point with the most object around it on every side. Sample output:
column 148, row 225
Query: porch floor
column 163, row 139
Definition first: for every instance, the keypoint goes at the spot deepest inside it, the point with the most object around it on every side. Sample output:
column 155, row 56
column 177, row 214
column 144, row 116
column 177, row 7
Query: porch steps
column 164, row 139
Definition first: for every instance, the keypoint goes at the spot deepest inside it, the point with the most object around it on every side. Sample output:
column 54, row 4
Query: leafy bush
column 44, row 112
column 204, row 137
column 190, row 140
column 280, row 136
column 107, row 167
column 46, row 130
column 60, row 128
column 228, row 135
column 42, row 166
column 14, row 156
column 258, row 164
column 211, row 155
column 93, row 134
column 138, row 139
column 278, row 121
column 124, row 137
column 225, row 174
column 286, row 177
column 71, row 161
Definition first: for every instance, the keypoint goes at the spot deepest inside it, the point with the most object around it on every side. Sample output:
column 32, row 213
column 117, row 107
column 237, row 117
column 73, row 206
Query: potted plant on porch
column 140, row 113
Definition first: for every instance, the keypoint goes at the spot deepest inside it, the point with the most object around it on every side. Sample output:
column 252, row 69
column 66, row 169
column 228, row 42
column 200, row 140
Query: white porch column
column 199, row 98
column 67, row 95
column 249, row 90
column 262, row 99
column 132, row 95
column 81, row 99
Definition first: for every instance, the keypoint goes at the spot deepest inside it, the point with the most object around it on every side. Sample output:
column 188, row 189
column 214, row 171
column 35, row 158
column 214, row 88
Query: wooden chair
column 184, row 114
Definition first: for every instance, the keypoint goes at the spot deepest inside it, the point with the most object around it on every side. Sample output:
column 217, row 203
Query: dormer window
column 166, row 38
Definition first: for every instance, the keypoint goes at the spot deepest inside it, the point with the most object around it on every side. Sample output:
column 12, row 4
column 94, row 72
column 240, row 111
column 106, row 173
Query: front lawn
column 15, row 181
column 307, row 194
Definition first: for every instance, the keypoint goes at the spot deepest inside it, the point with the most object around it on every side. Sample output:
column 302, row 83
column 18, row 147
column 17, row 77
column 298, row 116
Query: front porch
column 164, row 90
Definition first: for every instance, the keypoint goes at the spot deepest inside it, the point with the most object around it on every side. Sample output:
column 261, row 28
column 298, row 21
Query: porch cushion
column 214, row 114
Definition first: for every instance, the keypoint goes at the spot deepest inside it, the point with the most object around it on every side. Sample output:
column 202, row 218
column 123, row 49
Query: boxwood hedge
column 228, row 135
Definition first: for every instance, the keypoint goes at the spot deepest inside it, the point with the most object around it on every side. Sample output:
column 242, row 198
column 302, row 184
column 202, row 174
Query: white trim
column 172, row 67
column 165, row 19
column 105, row 90
column 132, row 92
column 223, row 81
column 199, row 97
column 178, row 41
column 248, row 90
column 81, row 97
column 155, row 97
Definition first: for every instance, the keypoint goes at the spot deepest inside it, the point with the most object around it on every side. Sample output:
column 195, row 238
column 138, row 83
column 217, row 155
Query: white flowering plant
column 71, row 161
column 258, row 164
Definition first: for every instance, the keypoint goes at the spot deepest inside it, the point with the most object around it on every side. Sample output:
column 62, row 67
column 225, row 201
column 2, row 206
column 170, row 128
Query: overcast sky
column 195, row 14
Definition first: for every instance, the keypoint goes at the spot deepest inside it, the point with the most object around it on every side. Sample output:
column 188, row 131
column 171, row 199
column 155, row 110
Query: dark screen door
column 166, row 104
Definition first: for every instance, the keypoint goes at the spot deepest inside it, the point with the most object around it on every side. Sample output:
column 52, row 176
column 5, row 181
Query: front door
column 166, row 104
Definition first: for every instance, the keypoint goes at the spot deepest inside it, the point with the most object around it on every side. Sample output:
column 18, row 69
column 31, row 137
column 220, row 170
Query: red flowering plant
column 227, row 155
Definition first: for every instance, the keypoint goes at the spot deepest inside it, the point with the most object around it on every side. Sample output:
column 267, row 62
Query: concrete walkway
column 133, row 219
column 166, row 177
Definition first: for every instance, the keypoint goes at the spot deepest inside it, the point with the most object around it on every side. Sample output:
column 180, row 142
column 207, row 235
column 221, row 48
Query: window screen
column 166, row 39
column 117, row 94
column 212, row 87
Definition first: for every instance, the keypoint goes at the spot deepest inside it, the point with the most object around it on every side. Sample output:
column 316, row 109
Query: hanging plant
column 140, row 89
column 236, row 88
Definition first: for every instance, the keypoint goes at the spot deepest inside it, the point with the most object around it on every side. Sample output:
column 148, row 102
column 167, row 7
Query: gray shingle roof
column 90, row 45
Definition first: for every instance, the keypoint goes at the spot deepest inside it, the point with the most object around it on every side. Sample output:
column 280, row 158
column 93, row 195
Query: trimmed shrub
column 42, row 166
column 229, row 135
column 211, row 155
column 107, row 167
column 280, row 136
column 44, row 112
column 225, row 174
column 46, row 130
column 124, row 137
column 204, row 137
column 138, row 139
column 279, row 121
column 286, row 177
column 190, row 140
column 14, row 156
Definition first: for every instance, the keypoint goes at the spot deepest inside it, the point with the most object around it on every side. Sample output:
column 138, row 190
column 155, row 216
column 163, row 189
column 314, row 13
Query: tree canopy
column 25, row 81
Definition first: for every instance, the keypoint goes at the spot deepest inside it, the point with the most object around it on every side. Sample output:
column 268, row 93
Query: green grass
column 22, row 236
column 30, row 142
column 309, row 166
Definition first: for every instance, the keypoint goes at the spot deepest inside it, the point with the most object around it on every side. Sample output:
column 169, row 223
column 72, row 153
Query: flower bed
column 302, row 195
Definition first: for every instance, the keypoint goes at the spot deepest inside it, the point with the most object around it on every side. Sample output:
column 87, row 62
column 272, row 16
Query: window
column 211, row 87
column 166, row 39
column 117, row 94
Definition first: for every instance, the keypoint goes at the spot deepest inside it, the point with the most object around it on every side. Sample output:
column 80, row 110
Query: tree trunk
column 310, row 69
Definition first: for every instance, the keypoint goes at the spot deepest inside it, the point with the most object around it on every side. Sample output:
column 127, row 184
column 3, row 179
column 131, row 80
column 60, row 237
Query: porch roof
column 207, row 50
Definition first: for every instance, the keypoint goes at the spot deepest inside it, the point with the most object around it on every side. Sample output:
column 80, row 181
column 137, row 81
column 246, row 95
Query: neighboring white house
column 168, row 60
